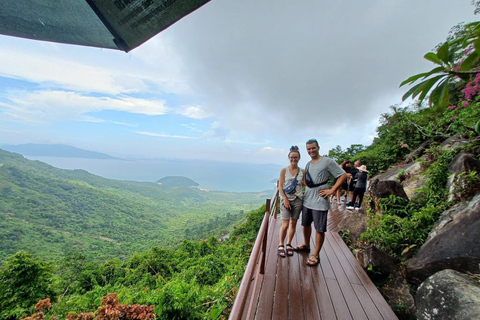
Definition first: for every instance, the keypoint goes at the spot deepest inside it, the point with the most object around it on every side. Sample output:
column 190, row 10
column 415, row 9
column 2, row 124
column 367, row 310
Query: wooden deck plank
column 295, row 284
column 338, row 288
column 346, row 258
column 266, row 297
column 325, row 304
column 382, row 306
column 342, row 273
column 280, row 303
column 367, row 304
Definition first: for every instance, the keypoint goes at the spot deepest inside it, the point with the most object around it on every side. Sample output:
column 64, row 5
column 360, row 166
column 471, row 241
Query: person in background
column 344, row 165
column 315, row 200
column 351, row 186
column 360, row 186
column 291, row 202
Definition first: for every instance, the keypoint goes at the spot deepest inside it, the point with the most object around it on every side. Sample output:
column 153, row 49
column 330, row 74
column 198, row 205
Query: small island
column 177, row 181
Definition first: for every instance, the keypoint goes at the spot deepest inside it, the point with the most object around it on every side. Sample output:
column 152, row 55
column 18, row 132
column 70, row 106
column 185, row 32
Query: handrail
column 260, row 244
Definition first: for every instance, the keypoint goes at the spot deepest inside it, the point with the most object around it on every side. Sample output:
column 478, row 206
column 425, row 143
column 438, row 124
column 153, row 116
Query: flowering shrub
column 110, row 309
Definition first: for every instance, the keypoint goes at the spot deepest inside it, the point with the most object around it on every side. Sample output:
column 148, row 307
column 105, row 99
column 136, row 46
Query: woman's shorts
column 319, row 218
column 296, row 207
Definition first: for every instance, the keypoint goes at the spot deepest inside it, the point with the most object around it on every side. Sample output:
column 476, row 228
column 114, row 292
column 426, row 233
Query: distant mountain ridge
column 55, row 150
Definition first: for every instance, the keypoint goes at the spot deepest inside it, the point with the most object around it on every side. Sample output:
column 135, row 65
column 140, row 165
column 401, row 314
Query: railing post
column 265, row 237
column 277, row 203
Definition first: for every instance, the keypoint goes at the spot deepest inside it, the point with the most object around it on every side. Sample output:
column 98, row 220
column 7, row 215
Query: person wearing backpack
column 291, row 193
column 315, row 200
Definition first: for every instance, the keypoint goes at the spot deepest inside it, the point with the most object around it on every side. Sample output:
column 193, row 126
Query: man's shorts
column 296, row 207
column 319, row 218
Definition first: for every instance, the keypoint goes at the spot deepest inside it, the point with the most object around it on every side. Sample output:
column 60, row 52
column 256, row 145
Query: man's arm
column 326, row 192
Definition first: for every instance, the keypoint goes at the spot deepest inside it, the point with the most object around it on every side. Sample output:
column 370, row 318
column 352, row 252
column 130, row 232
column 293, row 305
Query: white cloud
column 164, row 135
column 51, row 106
column 266, row 73
column 217, row 132
column 194, row 112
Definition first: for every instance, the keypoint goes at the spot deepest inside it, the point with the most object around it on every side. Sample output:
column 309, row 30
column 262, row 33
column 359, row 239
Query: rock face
column 356, row 223
column 459, row 187
column 453, row 244
column 397, row 293
column 417, row 153
column 383, row 189
column 448, row 295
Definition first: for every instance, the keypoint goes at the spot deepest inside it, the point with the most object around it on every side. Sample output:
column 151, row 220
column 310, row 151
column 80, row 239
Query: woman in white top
column 291, row 193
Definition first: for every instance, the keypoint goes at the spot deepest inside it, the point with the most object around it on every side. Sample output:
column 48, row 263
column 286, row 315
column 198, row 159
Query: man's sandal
column 313, row 260
column 289, row 249
column 281, row 251
column 302, row 248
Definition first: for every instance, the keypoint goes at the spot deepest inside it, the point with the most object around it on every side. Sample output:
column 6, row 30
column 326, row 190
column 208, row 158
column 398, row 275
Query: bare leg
column 283, row 231
column 291, row 230
column 319, row 239
column 307, row 232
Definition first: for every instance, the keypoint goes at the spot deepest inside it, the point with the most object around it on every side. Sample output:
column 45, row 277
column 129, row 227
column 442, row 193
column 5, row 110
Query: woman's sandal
column 302, row 248
column 313, row 260
column 289, row 249
column 281, row 251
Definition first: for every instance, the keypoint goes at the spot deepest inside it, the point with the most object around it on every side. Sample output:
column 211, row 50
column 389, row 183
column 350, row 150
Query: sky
column 237, row 81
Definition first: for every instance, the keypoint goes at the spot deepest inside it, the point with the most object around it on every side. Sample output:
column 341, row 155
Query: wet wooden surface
column 338, row 288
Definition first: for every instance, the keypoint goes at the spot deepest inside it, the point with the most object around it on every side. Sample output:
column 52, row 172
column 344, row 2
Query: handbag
column 290, row 186
column 309, row 180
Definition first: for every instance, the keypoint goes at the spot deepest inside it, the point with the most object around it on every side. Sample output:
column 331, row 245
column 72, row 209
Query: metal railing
column 256, row 263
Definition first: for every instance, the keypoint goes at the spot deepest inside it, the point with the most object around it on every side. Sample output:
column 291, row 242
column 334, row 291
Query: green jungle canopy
column 113, row 24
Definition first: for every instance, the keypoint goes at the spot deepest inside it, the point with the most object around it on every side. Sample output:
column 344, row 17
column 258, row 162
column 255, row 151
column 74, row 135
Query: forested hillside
column 53, row 212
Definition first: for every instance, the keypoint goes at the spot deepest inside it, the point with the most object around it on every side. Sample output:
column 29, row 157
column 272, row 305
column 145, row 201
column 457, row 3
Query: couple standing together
column 314, row 203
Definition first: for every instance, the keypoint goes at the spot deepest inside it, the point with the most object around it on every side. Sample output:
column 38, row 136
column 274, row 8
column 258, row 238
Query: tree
column 23, row 281
column 456, row 60
column 339, row 155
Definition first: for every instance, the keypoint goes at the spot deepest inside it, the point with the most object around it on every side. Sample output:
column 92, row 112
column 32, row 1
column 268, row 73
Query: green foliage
column 404, row 224
column 340, row 155
column 196, row 281
column 24, row 280
column 398, row 133
column 56, row 212
column 455, row 59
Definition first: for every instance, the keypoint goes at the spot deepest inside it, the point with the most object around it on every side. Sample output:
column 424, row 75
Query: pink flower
column 451, row 107
column 454, row 117
column 465, row 104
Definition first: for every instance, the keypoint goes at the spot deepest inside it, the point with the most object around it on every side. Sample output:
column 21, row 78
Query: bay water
column 211, row 175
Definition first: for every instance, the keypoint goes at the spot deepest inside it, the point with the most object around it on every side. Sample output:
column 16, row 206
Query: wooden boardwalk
column 338, row 288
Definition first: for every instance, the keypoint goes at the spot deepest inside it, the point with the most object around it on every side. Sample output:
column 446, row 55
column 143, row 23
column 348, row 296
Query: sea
column 210, row 175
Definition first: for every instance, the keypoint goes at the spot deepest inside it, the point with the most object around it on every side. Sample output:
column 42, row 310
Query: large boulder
column 452, row 244
column 356, row 224
column 454, row 142
column 460, row 186
column 398, row 295
column 448, row 295
column 381, row 189
column 379, row 263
